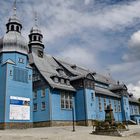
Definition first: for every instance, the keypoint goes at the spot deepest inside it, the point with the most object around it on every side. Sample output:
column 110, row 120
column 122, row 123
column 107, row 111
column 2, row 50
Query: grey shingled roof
column 117, row 87
column 103, row 91
column 77, row 71
column 47, row 67
column 80, row 71
column 101, row 78
column 77, row 77
column 133, row 99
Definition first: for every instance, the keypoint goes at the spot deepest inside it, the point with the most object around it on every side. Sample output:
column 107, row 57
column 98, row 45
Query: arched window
column 17, row 28
column 38, row 38
column 34, row 38
column 12, row 27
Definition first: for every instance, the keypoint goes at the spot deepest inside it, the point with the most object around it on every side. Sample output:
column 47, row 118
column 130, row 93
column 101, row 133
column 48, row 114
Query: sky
column 101, row 35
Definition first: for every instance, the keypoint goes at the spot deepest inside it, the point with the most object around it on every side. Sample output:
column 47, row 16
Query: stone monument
column 109, row 127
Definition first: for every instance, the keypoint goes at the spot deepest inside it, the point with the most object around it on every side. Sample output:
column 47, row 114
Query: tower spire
column 15, row 8
column 14, row 23
column 35, row 38
column 35, row 20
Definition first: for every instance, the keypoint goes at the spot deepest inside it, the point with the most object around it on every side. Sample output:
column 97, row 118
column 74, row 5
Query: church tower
column 16, row 76
column 35, row 40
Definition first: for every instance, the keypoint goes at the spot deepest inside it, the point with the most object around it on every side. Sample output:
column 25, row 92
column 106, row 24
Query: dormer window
column 62, row 81
column 73, row 67
column 68, row 82
column 60, row 71
column 40, row 53
column 56, row 79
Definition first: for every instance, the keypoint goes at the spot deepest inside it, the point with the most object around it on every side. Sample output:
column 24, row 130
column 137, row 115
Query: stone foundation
column 81, row 123
column 62, row 123
column 15, row 125
column 85, row 123
column 52, row 123
column 42, row 124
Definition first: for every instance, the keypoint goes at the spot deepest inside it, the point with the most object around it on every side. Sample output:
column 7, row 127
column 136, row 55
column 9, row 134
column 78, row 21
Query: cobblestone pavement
column 64, row 133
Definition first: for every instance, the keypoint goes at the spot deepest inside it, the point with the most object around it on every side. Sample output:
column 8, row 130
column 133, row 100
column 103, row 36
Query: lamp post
column 118, row 110
column 73, row 119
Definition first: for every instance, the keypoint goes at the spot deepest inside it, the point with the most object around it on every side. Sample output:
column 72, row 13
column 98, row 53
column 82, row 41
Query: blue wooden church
column 37, row 89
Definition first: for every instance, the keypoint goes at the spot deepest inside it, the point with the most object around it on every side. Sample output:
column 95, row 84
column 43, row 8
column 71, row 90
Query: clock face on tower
column 40, row 53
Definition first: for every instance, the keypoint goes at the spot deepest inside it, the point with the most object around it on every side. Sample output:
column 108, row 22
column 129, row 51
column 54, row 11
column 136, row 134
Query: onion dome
column 13, row 41
column 35, row 30
column 35, row 36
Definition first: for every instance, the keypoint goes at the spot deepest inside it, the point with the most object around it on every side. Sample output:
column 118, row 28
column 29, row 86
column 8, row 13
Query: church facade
column 39, row 90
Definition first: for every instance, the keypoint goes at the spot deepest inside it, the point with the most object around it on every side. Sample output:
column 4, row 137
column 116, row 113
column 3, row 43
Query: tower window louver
column 20, row 75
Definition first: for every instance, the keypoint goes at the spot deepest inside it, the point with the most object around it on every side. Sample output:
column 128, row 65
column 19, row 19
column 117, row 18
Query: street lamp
column 73, row 119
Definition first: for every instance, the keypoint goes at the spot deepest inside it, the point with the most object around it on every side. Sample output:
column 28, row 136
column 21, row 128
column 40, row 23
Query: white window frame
column 119, row 106
column 105, row 103
column 115, row 106
column 43, row 92
column 35, row 94
column 21, row 60
column 92, row 96
column 110, row 104
column 100, row 103
column 66, row 100
column 43, row 106
column 35, row 109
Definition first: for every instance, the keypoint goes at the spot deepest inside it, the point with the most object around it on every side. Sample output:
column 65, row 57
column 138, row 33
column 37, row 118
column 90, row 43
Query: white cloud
column 68, row 20
column 135, row 89
column 135, row 40
column 134, row 48
column 65, row 20
column 127, row 72
column 60, row 19
column 87, row 2
column 80, row 56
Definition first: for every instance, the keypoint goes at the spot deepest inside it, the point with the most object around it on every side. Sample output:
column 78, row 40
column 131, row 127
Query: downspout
column 85, row 103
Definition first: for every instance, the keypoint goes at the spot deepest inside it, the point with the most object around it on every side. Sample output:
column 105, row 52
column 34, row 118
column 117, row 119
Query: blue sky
column 102, row 35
